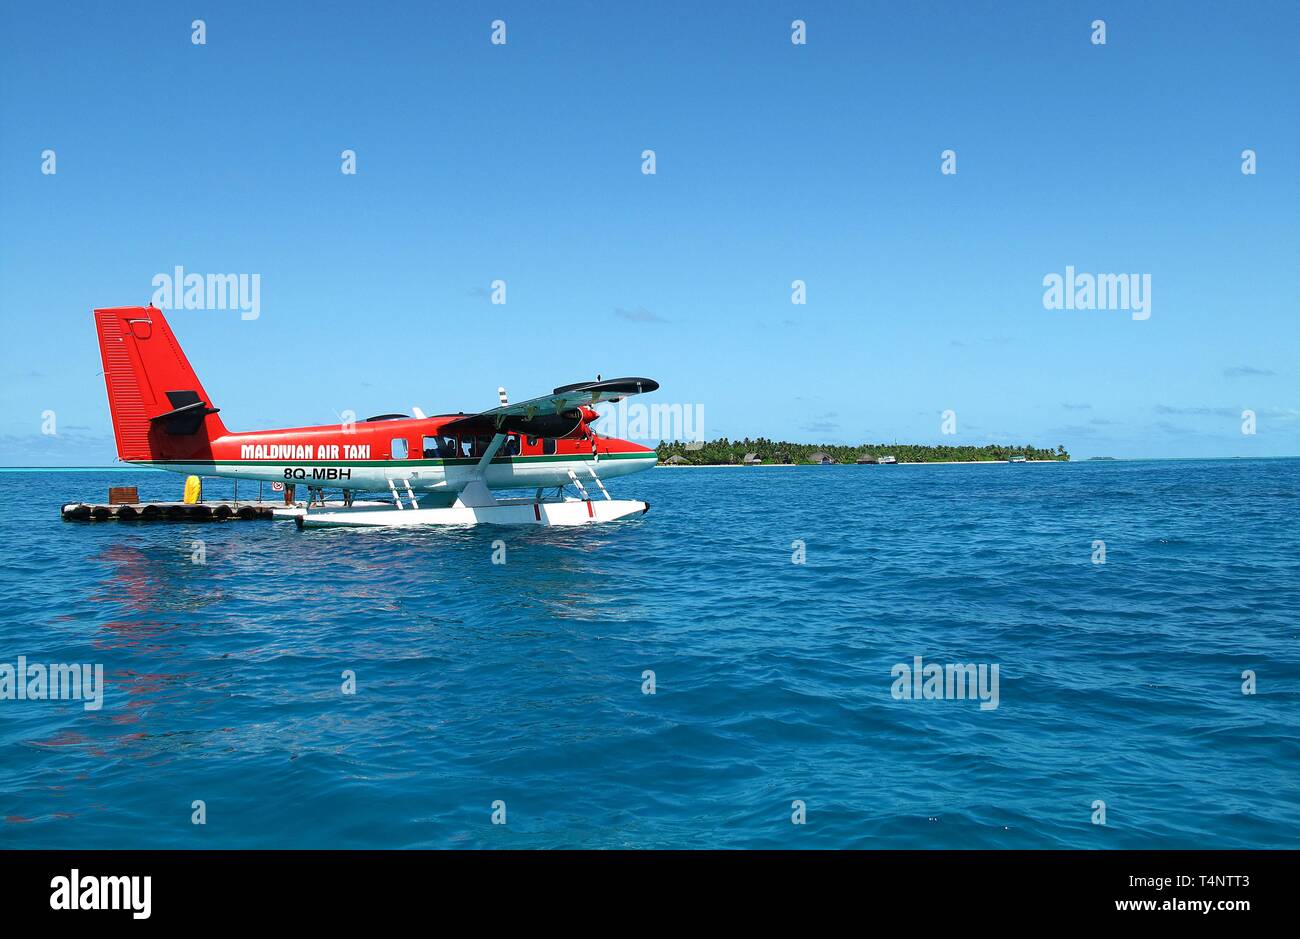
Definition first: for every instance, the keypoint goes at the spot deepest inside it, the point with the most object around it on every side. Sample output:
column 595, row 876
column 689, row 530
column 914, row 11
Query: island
column 747, row 452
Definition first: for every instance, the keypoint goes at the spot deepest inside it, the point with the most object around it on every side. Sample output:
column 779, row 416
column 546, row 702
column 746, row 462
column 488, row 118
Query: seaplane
column 438, row 470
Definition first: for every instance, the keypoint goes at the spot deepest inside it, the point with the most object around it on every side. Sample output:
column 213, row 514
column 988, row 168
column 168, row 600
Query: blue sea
column 522, row 685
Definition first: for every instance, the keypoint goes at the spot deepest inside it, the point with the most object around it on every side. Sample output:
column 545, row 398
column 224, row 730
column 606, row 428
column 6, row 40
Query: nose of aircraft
column 627, row 446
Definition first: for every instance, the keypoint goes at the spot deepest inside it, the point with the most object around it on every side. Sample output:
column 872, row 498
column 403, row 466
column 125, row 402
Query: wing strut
column 476, row 493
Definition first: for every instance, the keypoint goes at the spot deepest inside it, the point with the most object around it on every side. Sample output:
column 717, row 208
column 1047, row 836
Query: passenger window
column 398, row 448
column 434, row 449
column 511, row 446
column 448, row 447
column 467, row 446
column 532, row 443
column 548, row 446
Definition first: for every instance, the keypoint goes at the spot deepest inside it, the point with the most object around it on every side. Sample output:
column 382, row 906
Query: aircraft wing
column 567, row 397
column 550, row 415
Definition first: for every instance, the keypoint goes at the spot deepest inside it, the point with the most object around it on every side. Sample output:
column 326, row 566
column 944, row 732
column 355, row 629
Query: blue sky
column 775, row 162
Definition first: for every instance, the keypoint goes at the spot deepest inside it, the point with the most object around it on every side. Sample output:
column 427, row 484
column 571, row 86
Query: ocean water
column 522, row 683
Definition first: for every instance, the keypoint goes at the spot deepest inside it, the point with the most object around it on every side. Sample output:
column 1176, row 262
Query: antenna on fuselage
column 501, row 393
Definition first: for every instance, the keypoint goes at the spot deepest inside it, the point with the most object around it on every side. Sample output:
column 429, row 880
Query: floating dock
column 168, row 511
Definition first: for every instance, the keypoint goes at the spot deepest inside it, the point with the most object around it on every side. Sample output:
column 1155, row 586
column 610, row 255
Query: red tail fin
column 160, row 410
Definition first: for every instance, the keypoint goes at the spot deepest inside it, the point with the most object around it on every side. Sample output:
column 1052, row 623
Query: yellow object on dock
column 193, row 490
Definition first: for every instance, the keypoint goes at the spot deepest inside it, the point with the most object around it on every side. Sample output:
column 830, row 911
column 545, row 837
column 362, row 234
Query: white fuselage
column 518, row 472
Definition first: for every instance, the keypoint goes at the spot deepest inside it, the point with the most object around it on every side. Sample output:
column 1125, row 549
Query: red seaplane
column 439, row 470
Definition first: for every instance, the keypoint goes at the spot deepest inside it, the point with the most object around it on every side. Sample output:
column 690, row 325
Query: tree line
column 724, row 451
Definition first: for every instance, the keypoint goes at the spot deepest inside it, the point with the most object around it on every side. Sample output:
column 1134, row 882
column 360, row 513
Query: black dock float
column 168, row 511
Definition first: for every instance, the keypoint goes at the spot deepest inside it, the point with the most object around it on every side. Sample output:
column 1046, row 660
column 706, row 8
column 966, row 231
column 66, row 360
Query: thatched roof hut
column 677, row 460
column 752, row 459
column 820, row 456
column 865, row 457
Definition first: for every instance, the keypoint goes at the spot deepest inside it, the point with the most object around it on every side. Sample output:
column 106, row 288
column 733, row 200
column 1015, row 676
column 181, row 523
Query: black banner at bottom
column 211, row 888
